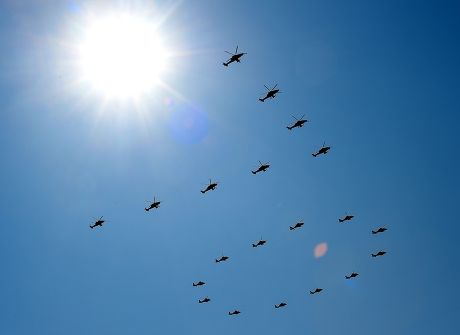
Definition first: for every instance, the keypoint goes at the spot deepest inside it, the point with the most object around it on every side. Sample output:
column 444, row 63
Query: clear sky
column 378, row 81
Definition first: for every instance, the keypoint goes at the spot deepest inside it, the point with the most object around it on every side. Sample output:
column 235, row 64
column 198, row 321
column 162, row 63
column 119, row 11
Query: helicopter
column 298, row 123
column 235, row 312
column 222, row 259
column 380, row 253
column 346, row 218
column 200, row 283
column 317, row 290
column 281, row 304
column 352, row 275
column 297, row 225
column 154, row 204
column 205, row 300
column 259, row 243
column 380, row 230
column 98, row 223
column 324, row 149
column 235, row 57
column 271, row 93
column 211, row 187
column 262, row 168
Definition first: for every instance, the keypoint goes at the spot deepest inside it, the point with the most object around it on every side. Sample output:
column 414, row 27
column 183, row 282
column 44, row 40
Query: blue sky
column 377, row 80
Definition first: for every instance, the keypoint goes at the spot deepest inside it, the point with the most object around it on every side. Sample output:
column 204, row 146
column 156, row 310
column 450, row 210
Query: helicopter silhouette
column 324, row 150
column 154, row 204
column 281, row 304
column 98, row 223
column 235, row 57
column 211, row 187
column 259, row 243
column 205, row 300
column 271, row 93
column 317, row 290
column 222, row 258
column 297, row 225
column 200, row 283
column 262, row 168
column 380, row 253
column 235, row 312
column 352, row 275
column 346, row 218
column 298, row 123
column 380, row 230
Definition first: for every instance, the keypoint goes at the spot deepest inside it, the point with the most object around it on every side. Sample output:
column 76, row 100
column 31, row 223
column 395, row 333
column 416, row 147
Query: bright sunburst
column 121, row 56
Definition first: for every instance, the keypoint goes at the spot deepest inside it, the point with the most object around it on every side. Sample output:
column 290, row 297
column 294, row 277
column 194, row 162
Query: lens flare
column 320, row 250
column 188, row 124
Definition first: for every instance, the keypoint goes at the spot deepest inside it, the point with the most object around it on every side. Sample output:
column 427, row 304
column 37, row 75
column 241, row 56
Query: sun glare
column 122, row 56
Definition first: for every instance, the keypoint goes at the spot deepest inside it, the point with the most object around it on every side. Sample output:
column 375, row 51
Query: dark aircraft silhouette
column 205, row 300
column 281, row 304
column 324, row 150
column 380, row 230
column 380, row 253
column 200, row 283
column 297, row 225
column 271, row 93
column 352, row 275
column 317, row 290
column 346, row 218
column 222, row 259
column 235, row 57
column 211, row 187
column 235, row 312
column 259, row 243
column 98, row 223
column 298, row 123
column 154, row 204
column 262, row 168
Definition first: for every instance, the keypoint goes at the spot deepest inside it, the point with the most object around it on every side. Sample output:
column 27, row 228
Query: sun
column 121, row 56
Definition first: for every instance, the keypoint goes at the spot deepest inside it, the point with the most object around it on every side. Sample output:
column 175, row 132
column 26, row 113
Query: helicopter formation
column 263, row 167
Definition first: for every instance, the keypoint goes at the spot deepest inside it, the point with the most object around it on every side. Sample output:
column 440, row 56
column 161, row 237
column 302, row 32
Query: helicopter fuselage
column 153, row 205
column 210, row 187
column 98, row 223
column 299, row 123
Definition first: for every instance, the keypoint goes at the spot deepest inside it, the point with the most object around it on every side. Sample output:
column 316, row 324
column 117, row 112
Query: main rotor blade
column 236, row 51
column 267, row 87
column 229, row 53
column 295, row 117
column 302, row 116
column 275, row 87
